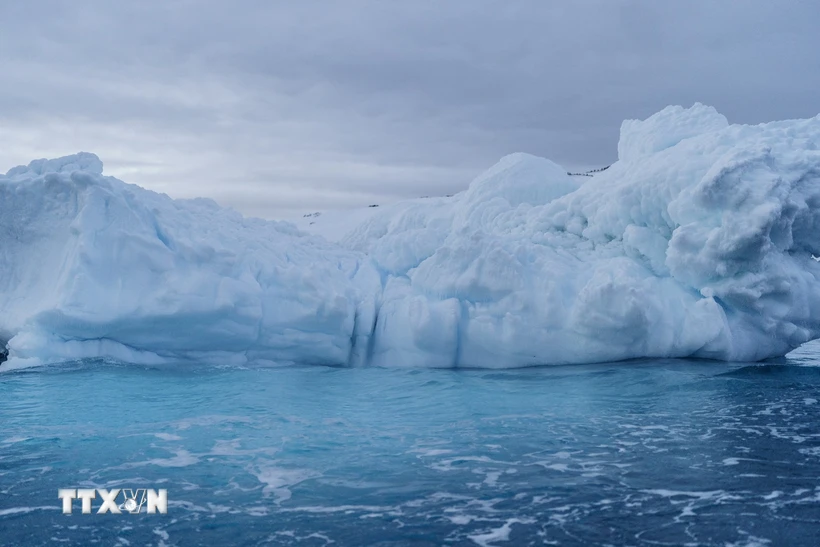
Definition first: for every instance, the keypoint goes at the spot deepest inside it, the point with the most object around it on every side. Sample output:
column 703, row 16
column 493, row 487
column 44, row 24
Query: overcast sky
column 276, row 108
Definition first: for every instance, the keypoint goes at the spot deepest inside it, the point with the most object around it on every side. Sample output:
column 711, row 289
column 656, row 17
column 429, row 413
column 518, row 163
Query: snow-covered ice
column 698, row 241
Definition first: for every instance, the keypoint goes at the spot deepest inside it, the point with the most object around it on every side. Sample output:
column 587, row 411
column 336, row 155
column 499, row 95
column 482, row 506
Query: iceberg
column 700, row 241
column 93, row 267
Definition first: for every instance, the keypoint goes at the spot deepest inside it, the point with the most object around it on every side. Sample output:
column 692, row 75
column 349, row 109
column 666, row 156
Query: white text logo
column 116, row 500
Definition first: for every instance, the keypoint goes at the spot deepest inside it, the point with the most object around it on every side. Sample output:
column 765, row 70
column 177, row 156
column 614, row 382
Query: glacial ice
column 698, row 242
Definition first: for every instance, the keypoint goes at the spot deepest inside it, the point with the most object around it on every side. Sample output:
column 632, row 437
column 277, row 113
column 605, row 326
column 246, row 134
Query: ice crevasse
column 698, row 242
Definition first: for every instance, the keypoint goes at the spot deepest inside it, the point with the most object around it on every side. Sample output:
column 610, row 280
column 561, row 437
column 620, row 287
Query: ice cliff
column 698, row 241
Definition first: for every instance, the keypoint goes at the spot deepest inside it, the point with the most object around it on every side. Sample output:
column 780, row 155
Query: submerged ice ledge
column 697, row 242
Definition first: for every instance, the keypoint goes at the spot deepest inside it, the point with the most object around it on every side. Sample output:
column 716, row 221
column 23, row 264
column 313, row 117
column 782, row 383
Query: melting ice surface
column 697, row 242
column 650, row 452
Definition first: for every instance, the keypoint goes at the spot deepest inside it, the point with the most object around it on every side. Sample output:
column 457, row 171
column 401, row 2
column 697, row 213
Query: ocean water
column 637, row 453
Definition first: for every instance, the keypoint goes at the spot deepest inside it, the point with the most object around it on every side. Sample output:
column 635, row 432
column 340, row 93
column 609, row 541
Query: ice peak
column 522, row 178
column 82, row 161
column 667, row 128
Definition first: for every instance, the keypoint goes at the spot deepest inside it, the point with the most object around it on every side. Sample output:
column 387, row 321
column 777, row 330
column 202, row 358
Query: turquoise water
column 639, row 453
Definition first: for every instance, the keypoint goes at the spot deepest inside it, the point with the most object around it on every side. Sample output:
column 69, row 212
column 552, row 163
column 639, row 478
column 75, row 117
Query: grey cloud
column 280, row 107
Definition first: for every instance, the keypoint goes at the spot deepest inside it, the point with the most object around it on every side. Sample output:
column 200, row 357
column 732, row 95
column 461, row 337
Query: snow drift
column 698, row 242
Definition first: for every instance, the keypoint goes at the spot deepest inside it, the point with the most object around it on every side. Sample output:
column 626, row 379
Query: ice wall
column 697, row 242
column 93, row 267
